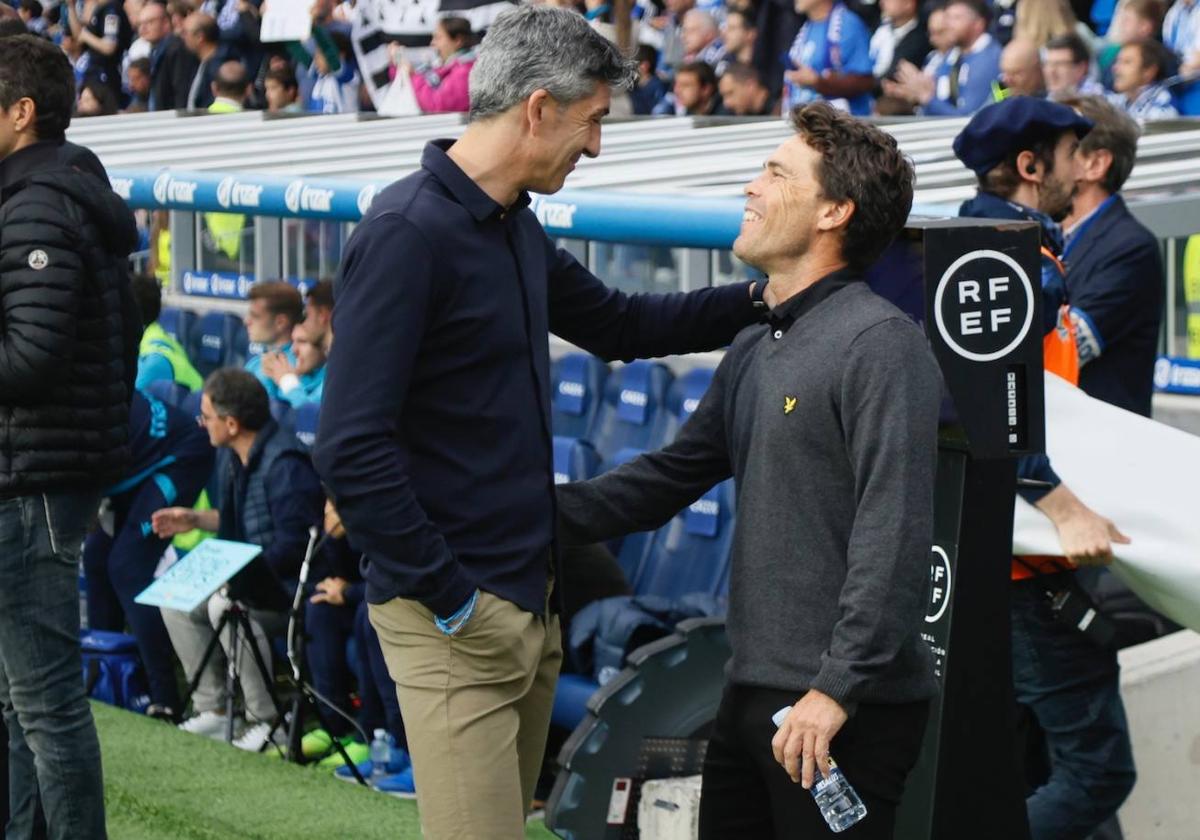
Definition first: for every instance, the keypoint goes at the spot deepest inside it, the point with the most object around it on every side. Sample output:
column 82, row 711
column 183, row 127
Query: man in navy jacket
column 435, row 438
column 1114, row 271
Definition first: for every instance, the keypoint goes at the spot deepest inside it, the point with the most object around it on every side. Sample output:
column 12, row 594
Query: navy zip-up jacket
column 435, row 438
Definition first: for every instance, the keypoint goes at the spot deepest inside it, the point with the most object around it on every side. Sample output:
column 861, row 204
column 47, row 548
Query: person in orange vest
column 1064, row 669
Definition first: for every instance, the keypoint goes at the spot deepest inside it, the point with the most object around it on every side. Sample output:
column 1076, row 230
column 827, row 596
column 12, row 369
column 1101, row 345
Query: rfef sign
column 984, row 305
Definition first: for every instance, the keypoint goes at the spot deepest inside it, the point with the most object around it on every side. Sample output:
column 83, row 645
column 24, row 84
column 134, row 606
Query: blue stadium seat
column 177, row 322
column 633, row 413
column 570, row 699
column 218, row 340
column 683, row 397
column 164, row 390
column 574, row 459
column 691, row 553
column 577, row 382
column 306, row 418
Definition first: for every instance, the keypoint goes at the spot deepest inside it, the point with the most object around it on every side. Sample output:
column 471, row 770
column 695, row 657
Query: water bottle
column 381, row 753
column 838, row 802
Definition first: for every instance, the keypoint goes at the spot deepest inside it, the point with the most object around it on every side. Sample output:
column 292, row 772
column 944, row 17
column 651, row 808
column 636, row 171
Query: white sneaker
column 255, row 739
column 209, row 724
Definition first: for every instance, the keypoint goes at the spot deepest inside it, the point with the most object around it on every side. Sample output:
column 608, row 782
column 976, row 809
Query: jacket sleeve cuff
column 453, row 593
column 833, row 681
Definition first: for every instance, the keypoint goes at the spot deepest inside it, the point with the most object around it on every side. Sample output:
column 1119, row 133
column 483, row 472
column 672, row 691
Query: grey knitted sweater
column 827, row 419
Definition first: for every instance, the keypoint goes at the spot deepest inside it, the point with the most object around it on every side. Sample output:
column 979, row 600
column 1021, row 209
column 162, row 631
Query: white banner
column 1140, row 474
column 286, row 20
column 408, row 22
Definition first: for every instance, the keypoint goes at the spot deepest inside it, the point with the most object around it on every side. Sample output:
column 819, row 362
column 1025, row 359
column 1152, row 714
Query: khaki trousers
column 476, row 709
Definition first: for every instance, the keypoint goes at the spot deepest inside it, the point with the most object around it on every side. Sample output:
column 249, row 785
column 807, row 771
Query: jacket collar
column 987, row 205
column 465, row 191
column 36, row 158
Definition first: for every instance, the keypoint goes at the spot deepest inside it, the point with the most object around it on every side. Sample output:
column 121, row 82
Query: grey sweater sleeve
column 890, row 395
column 646, row 492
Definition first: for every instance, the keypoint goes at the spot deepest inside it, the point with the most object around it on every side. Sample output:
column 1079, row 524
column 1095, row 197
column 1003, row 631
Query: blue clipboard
column 197, row 575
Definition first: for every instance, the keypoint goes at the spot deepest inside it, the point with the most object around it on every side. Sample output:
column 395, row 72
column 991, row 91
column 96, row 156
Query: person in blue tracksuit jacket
column 172, row 461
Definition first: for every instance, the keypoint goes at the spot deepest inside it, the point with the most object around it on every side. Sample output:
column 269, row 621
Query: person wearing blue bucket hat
column 1022, row 150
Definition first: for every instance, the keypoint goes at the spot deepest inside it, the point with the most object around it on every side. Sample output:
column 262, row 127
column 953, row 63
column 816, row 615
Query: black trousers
column 747, row 794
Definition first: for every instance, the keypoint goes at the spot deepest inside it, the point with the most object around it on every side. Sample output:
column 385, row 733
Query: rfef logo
column 984, row 305
column 939, row 585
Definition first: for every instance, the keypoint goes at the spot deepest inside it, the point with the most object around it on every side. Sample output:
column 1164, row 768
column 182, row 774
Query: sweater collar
column 798, row 305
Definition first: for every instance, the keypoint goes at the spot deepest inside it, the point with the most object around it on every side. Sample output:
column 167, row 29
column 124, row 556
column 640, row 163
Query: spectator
column 1021, row 70
column 664, row 33
column 962, row 84
column 229, row 89
column 695, row 92
column 1138, row 73
column 651, row 89
column 271, row 498
column 1114, row 271
column 179, row 11
column 1066, row 68
column 161, row 358
column 1023, row 152
column 335, row 80
column 102, row 33
column 275, row 309
column 743, row 93
column 282, row 91
column 68, row 349
column 96, row 99
column 318, row 314
column 830, row 59
column 30, row 13
column 900, row 37
column 172, row 65
column 1136, row 20
column 172, row 461
column 941, row 40
column 442, row 86
column 139, row 86
column 1038, row 21
column 201, row 36
column 701, row 38
column 304, row 381
column 738, row 34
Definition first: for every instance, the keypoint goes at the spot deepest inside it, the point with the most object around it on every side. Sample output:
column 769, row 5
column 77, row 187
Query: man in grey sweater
column 827, row 418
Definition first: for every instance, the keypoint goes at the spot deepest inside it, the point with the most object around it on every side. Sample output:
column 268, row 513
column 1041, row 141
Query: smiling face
column 1062, row 74
column 564, row 135
column 779, row 222
column 309, row 356
column 443, row 44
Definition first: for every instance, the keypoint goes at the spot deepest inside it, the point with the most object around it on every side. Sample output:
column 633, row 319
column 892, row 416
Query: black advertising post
column 975, row 285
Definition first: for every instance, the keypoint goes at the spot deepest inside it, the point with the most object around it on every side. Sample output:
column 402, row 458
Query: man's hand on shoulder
column 801, row 744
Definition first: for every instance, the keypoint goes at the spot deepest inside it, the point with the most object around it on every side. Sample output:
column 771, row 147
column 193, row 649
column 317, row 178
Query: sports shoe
column 163, row 713
column 397, row 784
column 209, row 724
column 258, row 735
column 357, row 752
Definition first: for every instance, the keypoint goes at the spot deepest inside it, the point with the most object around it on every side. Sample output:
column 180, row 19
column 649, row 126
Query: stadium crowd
column 695, row 57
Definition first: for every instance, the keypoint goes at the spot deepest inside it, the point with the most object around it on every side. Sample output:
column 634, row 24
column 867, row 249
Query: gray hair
column 706, row 20
column 531, row 48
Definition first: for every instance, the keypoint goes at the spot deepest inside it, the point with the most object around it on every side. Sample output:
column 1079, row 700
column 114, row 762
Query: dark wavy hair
column 33, row 67
column 863, row 164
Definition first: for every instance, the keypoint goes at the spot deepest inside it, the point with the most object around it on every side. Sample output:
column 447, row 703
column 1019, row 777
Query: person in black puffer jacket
column 69, row 330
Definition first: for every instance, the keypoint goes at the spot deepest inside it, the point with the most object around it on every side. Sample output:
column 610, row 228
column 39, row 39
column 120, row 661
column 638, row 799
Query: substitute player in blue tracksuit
column 172, row 461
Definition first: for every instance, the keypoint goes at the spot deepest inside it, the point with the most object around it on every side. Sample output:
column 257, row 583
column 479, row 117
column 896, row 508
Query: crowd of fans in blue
column 695, row 57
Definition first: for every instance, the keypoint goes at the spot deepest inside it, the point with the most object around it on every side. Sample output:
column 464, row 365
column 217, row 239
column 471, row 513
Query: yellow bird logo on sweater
column 789, row 405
